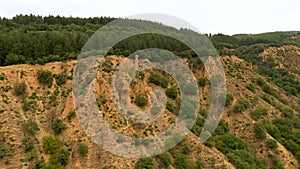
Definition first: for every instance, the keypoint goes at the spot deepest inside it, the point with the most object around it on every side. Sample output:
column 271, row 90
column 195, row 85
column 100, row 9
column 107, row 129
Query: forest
column 37, row 40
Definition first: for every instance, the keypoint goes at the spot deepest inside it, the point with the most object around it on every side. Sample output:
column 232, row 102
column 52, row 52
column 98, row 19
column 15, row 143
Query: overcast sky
column 209, row 16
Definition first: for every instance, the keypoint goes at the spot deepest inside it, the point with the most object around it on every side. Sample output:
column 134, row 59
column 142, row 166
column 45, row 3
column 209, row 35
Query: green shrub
column 170, row 107
column 2, row 76
column 33, row 95
column 144, row 163
column 238, row 108
column 287, row 113
column 277, row 164
column 172, row 92
column 203, row 112
column 296, row 122
column 241, row 106
column 70, row 115
column 82, row 149
column 180, row 161
column 45, row 77
column 228, row 142
column 258, row 113
column 29, row 105
column 292, row 146
column 267, row 98
column 56, row 92
column 140, row 100
column 158, row 80
column 251, row 87
column 260, row 82
column 30, row 126
column 198, row 125
column 51, row 144
column 222, row 128
column 245, row 159
column 165, row 159
column 260, row 131
column 59, row 158
column 28, row 144
column 229, row 99
column 271, row 143
column 61, row 79
column 200, row 164
column 6, row 88
column 202, row 81
column 20, row 89
column 58, row 126
column 40, row 164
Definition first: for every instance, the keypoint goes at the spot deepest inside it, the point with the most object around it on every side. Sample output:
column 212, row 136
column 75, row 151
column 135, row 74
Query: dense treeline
column 21, row 20
column 248, row 44
column 36, row 39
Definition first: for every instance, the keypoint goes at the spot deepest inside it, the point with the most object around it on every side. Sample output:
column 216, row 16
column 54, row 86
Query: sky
column 209, row 16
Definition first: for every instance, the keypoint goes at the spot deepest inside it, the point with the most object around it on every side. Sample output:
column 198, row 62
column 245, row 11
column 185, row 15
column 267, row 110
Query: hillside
column 39, row 127
column 260, row 126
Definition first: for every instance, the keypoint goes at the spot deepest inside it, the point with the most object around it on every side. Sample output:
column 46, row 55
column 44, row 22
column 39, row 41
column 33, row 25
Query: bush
column 20, row 89
column 170, row 107
column 30, row 126
column 203, row 112
column 267, row 98
column 292, row 146
column 245, row 159
column 158, row 80
column 45, row 77
column 61, row 79
column 180, row 161
column 2, row 76
column 29, row 105
column 238, row 108
column 241, row 106
column 140, row 100
column 259, row 131
column 260, row 82
column 58, row 126
column 287, row 113
column 165, row 159
column 172, row 93
column 229, row 99
column 82, row 149
column 258, row 113
column 271, row 143
column 296, row 122
column 33, row 95
column 144, row 163
column 60, row 158
column 251, row 87
column 28, row 144
column 51, row 144
column 228, row 142
column 202, row 81
column 70, row 115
